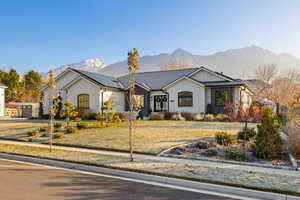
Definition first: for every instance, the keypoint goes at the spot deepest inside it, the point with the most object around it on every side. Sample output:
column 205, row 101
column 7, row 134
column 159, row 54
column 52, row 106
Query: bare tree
column 133, row 66
column 54, row 101
column 266, row 72
column 174, row 64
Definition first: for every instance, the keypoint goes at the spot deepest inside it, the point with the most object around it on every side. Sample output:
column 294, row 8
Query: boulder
column 209, row 152
column 203, row 144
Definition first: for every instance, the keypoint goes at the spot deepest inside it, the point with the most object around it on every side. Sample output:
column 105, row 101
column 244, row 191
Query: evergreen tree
column 32, row 83
column 15, row 89
column 68, row 111
column 268, row 142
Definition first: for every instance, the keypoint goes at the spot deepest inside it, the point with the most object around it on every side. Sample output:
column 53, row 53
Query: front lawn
column 150, row 136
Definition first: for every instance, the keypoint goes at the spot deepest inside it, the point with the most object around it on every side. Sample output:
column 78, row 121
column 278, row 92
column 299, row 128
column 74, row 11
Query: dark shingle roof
column 99, row 78
column 222, row 83
column 158, row 79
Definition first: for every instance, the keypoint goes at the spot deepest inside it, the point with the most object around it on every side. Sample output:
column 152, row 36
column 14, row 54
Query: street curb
column 207, row 187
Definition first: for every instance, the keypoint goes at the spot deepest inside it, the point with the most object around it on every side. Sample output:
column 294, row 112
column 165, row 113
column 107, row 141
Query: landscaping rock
column 209, row 152
column 177, row 150
column 203, row 144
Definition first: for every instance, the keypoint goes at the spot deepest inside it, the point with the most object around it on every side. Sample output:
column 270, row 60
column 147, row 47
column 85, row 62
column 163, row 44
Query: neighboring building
column 22, row 109
column 185, row 90
column 2, row 99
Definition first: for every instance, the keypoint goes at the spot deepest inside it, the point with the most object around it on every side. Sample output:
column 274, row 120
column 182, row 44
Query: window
column 185, row 99
column 83, row 101
column 222, row 98
column 138, row 102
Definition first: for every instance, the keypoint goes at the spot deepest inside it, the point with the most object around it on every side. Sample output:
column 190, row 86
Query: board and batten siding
column 206, row 76
column 187, row 85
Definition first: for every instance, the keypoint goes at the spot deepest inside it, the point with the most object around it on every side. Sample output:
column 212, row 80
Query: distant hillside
column 238, row 63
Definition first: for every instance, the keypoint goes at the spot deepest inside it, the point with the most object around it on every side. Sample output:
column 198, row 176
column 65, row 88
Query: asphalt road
column 20, row 181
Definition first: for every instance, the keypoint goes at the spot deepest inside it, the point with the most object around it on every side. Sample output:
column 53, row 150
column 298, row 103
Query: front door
column 160, row 103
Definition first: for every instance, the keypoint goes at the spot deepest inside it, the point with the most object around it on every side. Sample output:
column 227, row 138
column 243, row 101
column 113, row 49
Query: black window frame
column 185, row 96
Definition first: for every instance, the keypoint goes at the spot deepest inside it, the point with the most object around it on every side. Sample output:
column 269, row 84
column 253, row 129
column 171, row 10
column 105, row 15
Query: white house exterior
column 2, row 100
column 187, row 90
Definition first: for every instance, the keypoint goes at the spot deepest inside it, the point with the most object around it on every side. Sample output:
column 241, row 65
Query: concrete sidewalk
column 167, row 159
column 226, row 191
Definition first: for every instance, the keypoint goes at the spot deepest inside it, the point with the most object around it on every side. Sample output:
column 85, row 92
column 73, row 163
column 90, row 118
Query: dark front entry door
column 160, row 103
column 220, row 97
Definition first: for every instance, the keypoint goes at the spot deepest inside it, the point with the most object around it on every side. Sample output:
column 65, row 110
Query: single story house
column 196, row 90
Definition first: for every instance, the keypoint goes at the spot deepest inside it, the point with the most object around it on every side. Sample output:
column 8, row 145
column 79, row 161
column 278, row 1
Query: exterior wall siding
column 116, row 98
column 206, row 76
column 2, row 101
column 198, row 96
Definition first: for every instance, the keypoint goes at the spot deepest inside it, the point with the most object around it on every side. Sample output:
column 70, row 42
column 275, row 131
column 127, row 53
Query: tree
column 266, row 72
column 32, row 83
column 15, row 89
column 174, row 64
column 268, row 142
column 54, row 102
column 68, row 112
column 133, row 66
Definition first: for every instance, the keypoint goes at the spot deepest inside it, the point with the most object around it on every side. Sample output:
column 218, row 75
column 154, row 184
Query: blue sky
column 45, row 34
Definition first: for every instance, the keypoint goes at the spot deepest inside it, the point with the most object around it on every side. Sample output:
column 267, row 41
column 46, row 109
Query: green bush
column 82, row 125
column 223, row 138
column 187, row 116
column 236, row 154
column 156, row 116
column 267, row 142
column 58, row 125
column 44, row 129
column 78, row 119
column 113, row 117
column 58, row 136
column 72, row 130
column 248, row 132
column 35, row 133
column 100, row 117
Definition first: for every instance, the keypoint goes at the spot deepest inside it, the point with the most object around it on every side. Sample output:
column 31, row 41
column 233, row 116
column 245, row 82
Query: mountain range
column 238, row 63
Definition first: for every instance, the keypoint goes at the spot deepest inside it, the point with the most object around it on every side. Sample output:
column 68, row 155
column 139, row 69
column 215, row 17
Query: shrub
column 100, row 117
column 187, row 116
column 267, row 142
column 44, row 129
column 293, row 140
column 82, row 125
column 58, row 125
column 121, row 116
column 198, row 117
column 35, row 133
column 113, row 117
column 99, row 125
column 177, row 116
column 248, row 132
column 92, row 116
column 222, row 118
column 236, row 154
column 156, row 116
column 58, row 136
column 209, row 117
column 72, row 130
column 78, row 119
column 168, row 115
column 223, row 138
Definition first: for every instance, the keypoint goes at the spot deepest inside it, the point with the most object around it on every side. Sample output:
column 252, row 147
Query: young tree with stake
column 133, row 66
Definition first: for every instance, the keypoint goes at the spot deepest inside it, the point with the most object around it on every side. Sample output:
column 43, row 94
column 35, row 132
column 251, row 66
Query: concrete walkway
column 270, row 171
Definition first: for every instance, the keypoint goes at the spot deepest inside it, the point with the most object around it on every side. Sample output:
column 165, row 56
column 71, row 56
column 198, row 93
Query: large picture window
column 185, row 99
column 83, row 101
column 222, row 98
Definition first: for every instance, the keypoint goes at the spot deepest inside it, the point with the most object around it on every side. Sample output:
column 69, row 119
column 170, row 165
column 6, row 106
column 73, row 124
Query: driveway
column 34, row 182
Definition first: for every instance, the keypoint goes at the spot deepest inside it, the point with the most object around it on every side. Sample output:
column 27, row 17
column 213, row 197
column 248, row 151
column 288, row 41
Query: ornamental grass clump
column 267, row 142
